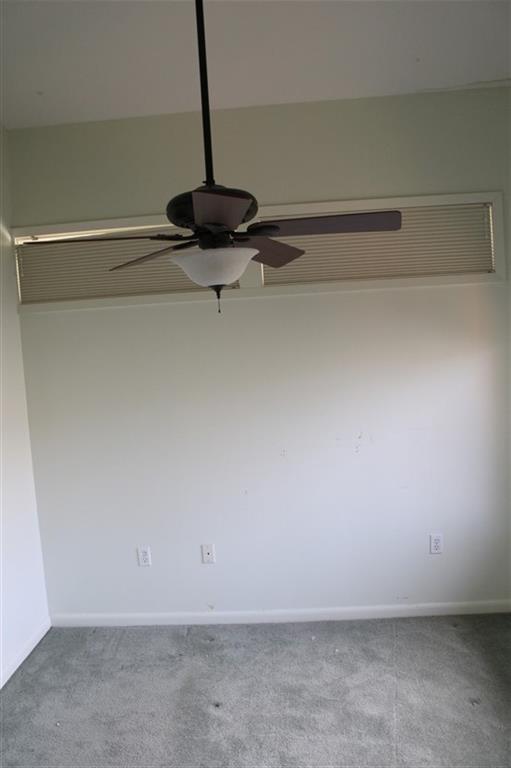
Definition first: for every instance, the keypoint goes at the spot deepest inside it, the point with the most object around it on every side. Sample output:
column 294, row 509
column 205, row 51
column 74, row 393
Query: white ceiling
column 76, row 61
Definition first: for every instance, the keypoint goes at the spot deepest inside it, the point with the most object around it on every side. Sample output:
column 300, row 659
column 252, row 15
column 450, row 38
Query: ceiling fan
column 216, row 254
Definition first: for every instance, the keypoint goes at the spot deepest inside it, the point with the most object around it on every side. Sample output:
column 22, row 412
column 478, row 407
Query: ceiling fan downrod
column 204, row 93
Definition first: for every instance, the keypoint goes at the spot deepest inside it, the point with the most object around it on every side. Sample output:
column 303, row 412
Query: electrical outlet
column 436, row 543
column 208, row 554
column 144, row 555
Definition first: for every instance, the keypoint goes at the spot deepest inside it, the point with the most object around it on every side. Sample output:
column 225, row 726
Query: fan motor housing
column 180, row 208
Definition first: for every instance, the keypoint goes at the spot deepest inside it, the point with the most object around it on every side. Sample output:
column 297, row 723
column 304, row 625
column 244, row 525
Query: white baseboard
column 278, row 615
column 9, row 668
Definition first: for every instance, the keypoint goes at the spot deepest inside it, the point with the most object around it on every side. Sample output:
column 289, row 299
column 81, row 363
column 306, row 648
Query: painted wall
column 404, row 145
column 24, row 606
column 317, row 439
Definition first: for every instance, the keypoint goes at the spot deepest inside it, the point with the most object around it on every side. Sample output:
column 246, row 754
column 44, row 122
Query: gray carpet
column 407, row 692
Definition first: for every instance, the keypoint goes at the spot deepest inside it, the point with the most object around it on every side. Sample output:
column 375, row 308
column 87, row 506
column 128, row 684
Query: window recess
column 442, row 237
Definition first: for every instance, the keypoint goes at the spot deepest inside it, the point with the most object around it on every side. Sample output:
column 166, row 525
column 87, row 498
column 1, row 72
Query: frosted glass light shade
column 214, row 266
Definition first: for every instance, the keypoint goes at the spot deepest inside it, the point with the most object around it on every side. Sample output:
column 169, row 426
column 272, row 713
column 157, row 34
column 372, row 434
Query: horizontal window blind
column 447, row 239
column 435, row 240
column 63, row 271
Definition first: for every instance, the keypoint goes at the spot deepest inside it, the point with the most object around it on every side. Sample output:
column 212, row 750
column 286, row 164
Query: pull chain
column 218, row 290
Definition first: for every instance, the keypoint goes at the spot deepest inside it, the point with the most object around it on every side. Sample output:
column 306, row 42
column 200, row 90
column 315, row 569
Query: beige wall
column 316, row 440
column 405, row 145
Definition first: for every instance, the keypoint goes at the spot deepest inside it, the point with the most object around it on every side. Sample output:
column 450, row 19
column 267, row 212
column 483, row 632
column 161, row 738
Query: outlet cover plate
column 436, row 543
column 208, row 555
column 144, row 555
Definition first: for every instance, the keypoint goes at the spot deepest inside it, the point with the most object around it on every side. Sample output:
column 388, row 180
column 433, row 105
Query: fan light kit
column 216, row 254
column 215, row 267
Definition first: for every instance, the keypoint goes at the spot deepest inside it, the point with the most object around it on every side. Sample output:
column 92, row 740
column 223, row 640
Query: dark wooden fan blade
column 264, row 230
column 374, row 221
column 271, row 252
column 42, row 241
column 215, row 208
column 153, row 255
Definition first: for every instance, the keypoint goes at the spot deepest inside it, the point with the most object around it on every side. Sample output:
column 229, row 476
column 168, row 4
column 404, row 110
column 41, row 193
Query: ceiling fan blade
column 372, row 221
column 153, row 255
column 263, row 229
column 272, row 253
column 41, row 240
column 212, row 207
